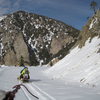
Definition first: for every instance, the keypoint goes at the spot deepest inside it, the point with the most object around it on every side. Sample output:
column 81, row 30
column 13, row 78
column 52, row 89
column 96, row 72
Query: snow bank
column 81, row 65
column 2, row 17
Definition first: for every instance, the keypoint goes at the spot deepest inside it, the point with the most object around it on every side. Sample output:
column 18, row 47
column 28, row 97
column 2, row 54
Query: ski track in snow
column 25, row 92
column 41, row 93
column 47, row 89
column 33, row 88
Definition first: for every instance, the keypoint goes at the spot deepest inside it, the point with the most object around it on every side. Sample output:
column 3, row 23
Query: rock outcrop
column 35, row 38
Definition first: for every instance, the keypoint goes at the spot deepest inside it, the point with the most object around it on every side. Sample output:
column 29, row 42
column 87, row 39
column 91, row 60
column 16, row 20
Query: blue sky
column 71, row 12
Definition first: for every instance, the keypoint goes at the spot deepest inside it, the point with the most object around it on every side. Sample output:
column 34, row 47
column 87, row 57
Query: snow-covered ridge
column 81, row 65
column 95, row 20
column 2, row 17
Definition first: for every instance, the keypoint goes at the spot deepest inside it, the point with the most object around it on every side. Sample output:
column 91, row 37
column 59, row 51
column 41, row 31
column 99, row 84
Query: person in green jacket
column 23, row 72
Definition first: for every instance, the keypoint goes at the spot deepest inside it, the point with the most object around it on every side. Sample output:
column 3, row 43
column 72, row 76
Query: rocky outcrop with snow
column 90, row 30
column 82, row 64
column 35, row 38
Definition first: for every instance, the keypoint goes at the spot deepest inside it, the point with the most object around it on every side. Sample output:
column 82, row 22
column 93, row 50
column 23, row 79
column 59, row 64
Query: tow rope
column 11, row 94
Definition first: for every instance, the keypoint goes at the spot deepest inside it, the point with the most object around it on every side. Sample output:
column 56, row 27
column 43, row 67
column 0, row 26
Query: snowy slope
column 80, row 65
column 43, row 87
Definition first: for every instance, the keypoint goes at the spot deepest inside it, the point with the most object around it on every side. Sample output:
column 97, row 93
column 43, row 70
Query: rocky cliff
column 90, row 30
column 34, row 38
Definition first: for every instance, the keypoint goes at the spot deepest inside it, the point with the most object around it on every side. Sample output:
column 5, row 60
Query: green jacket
column 25, row 71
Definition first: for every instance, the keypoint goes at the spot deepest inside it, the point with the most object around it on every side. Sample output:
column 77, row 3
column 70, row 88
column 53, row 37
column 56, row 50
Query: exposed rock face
column 91, row 29
column 21, row 48
column 38, row 39
column 14, row 47
column 58, row 43
column 53, row 61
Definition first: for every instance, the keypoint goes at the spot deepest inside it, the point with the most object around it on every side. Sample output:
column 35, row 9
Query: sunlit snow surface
column 75, row 77
column 44, row 87
column 81, row 65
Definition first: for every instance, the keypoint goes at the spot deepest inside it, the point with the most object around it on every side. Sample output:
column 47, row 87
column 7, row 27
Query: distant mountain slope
column 82, row 64
column 33, row 38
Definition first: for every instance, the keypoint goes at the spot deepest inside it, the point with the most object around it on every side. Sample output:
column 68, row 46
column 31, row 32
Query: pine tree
column 21, row 63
